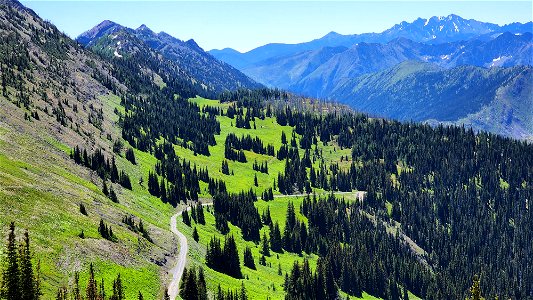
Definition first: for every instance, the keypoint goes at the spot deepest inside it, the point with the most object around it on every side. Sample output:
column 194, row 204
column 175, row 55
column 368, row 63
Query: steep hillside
column 51, row 101
column 496, row 99
column 216, row 75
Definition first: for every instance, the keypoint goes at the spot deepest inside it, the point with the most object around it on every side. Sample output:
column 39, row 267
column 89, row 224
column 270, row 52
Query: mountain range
column 187, row 56
column 333, row 68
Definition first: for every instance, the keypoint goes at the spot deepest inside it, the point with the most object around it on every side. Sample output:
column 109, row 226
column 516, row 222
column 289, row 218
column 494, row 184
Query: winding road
column 181, row 259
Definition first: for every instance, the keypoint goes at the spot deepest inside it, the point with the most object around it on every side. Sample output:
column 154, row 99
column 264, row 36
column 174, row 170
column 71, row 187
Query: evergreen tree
column 202, row 286
column 83, row 211
column 475, row 290
column 195, row 235
column 91, row 291
column 265, row 249
column 248, row 258
column 11, row 288
column 29, row 283
column 118, row 290
column 130, row 155
column 200, row 214
column 185, row 217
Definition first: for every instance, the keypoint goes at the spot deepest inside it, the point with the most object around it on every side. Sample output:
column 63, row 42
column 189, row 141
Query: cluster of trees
column 130, row 221
column 225, row 167
column 106, row 231
column 224, row 259
column 235, row 155
column 302, row 284
column 231, row 295
column 246, row 142
column 197, row 213
column 263, row 167
column 93, row 290
column 107, row 170
column 295, row 176
column 193, row 286
column 268, row 194
column 295, row 236
column 180, row 181
column 19, row 279
column 239, row 209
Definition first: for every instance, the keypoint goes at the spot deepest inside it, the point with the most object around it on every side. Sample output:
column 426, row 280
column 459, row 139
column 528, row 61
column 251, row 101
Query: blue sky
column 244, row 25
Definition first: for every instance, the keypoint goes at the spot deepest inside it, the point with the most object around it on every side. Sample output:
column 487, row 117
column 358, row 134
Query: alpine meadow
column 387, row 165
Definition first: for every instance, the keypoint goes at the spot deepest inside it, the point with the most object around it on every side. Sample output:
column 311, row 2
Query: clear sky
column 244, row 25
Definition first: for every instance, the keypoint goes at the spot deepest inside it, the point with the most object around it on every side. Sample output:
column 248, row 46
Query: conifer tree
column 11, row 275
column 475, row 290
column 195, row 235
column 202, row 286
column 91, row 291
column 185, row 217
column 28, row 282
column 200, row 217
column 248, row 258
column 265, row 249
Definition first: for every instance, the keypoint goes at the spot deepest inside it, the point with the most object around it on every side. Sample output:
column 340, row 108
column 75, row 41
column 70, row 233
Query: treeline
column 107, row 170
column 239, row 209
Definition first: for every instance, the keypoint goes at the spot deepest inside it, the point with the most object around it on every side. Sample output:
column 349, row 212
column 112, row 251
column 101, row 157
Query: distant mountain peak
column 103, row 28
column 143, row 27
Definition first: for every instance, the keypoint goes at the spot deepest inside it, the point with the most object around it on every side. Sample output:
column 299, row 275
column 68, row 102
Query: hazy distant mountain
column 433, row 30
column 187, row 55
column 318, row 72
column 496, row 99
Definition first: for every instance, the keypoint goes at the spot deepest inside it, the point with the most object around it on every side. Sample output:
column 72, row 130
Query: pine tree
column 91, row 291
column 248, row 258
column 265, row 249
column 77, row 292
column 118, row 290
column 475, row 290
column 185, row 217
column 11, row 275
column 202, row 286
column 255, row 180
column 83, row 211
column 200, row 214
column 242, row 294
column 105, row 190
column 195, row 235
column 29, row 285
column 140, row 297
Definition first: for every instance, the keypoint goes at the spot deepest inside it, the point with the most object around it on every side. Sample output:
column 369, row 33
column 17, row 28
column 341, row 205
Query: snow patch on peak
column 427, row 22
column 117, row 54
